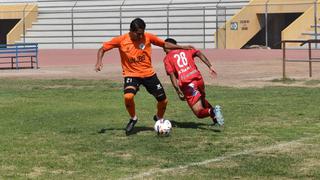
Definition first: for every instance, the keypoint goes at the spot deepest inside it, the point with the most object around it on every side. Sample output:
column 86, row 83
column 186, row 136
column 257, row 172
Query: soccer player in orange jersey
column 188, row 82
column 135, row 52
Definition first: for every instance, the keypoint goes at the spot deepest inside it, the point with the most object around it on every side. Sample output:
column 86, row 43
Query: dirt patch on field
column 236, row 68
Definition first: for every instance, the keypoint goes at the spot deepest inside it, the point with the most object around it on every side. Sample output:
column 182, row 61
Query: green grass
column 293, row 81
column 313, row 82
column 285, row 80
column 49, row 130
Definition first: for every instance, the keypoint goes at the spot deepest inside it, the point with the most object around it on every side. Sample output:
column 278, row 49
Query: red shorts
column 193, row 91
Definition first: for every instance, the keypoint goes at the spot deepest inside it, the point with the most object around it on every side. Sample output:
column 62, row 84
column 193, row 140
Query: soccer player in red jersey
column 188, row 82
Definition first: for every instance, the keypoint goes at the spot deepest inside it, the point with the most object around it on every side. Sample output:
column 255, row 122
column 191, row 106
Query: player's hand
column 213, row 72
column 98, row 67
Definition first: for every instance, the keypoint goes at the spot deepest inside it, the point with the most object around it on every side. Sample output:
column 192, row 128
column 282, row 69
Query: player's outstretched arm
column 205, row 60
column 99, row 63
column 169, row 45
column 176, row 87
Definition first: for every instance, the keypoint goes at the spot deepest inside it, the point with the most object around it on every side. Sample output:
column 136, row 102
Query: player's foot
column 216, row 115
column 155, row 118
column 130, row 126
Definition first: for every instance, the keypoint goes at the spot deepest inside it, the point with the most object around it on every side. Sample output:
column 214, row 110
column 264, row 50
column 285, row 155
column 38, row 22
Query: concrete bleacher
column 87, row 23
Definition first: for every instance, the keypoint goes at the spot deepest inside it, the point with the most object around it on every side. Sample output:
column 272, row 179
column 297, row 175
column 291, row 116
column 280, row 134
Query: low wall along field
column 240, row 68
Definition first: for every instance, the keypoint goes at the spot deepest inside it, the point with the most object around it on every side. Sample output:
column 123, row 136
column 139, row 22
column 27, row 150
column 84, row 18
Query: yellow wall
column 28, row 11
column 248, row 22
column 302, row 24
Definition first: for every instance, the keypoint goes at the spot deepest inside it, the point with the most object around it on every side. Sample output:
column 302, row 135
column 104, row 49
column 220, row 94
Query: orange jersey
column 135, row 56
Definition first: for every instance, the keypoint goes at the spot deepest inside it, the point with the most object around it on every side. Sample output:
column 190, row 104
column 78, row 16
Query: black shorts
column 152, row 85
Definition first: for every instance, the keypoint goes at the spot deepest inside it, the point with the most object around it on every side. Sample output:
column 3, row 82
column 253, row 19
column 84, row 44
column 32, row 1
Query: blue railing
column 17, row 53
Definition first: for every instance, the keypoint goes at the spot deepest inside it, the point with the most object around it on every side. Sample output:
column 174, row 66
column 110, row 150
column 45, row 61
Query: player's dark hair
column 170, row 40
column 136, row 24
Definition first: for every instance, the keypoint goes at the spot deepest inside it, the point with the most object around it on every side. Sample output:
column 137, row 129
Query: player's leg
column 155, row 88
column 200, row 111
column 195, row 98
column 215, row 112
column 131, row 87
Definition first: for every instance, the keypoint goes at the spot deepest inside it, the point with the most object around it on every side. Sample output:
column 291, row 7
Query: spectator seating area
column 87, row 23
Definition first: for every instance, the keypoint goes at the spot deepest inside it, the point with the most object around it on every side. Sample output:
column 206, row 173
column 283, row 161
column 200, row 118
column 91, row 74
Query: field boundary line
column 221, row 158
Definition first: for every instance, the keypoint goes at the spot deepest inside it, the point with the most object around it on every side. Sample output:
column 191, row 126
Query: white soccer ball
column 163, row 127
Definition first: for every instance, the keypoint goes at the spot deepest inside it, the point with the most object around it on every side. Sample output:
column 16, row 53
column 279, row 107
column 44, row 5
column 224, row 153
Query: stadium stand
column 87, row 23
column 14, row 19
column 274, row 20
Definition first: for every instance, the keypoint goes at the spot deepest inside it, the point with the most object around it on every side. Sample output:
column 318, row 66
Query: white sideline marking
column 221, row 158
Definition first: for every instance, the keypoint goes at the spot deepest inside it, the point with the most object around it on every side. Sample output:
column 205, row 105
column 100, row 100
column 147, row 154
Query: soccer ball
column 163, row 127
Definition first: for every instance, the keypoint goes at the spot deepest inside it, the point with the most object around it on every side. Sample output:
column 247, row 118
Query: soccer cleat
column 155, row 118
column 130, row 126
column 214, row 120
column 218, row 115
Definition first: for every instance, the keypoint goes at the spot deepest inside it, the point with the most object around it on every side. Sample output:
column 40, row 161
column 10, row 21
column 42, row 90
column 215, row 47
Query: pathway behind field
column 239, row 68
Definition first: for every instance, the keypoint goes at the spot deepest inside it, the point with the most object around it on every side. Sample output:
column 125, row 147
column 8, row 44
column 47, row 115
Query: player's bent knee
column 161, row 98
column 165, row 101
column 128, row 96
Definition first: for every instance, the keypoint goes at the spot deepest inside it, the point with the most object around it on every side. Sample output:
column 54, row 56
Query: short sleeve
column 155, row 40
column 168, row 66
column 113, row 43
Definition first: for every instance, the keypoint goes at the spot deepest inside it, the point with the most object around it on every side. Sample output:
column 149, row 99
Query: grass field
column 49, row 130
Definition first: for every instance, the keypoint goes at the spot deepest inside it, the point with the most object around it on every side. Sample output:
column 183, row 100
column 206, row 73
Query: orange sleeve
column 155, row 40
column 113, row 43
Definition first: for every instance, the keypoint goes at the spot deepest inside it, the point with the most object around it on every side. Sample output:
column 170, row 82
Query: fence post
column 24, row 23
column 168, row 26
column 217, row 25
column 17, row 61
column 37, row 63
column 72, row 25
column 310, row 59
column 283, row 60
column 204, row 27
column 217, row 28
column 266, row 23
column 121, row 16
column 72, row 30
column 120, row 28
column 221, row 14
column 168, row 14
column 315, row 22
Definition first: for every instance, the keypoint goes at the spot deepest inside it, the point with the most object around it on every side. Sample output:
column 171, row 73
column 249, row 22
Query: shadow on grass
column 136, row 130
column 194, row 125
column 175, row 124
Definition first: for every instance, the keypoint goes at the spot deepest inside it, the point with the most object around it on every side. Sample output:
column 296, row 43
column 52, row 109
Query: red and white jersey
column 181, row 63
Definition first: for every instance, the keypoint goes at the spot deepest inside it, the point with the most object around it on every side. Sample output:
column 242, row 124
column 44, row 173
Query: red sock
column 203, row 113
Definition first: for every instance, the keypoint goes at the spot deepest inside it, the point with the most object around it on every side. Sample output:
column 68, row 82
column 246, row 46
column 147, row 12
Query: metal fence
column 77, row 27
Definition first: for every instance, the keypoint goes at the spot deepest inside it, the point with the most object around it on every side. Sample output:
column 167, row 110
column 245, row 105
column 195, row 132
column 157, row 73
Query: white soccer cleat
column 218, row 115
